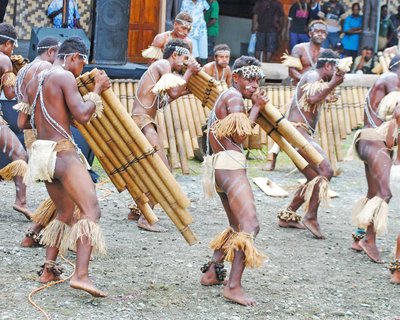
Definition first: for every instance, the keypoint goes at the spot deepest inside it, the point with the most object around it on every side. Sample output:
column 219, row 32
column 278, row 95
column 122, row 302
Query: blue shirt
column 351, row 41
column 72, row 13
column 196, row 10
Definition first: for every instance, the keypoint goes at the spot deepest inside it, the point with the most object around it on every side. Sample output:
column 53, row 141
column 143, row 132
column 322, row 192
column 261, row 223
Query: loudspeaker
column 38, row 34
column 110, row 36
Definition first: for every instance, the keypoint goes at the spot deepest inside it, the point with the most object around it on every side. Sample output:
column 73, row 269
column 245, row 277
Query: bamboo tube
column 285, row 146
column 255, row 138
column 172, row 209
column 171, row 138
column 206, row 112
column 346, row 111
column 180, row 143
column 387, row 60
column 289, row 132
column 264, row 137
column 357, row 105
column 130, row 96
column 190, row 122
column 336, row 131
column 162, row 131
column 382, row 61
column 122, row 91
column 288, row 97
column 195, row 113
column 353, row 120
column 115, row 88
column 115, row 178
column 275, row 97
column 144, row 147
column 323, row 132
column 201, row 110
column 361, row 96
column 185, row 130
column 282, row 105
column 340, row 115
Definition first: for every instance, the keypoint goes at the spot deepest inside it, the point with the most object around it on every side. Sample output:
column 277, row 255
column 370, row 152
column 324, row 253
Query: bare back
column 33, row 69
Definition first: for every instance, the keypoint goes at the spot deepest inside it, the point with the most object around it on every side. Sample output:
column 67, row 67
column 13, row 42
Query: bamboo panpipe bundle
column 161, row 184
column 115, row 88
column 336, row 130
column 180, row 141
column 205, row 88
column 130, row 96
column 255, row 139
column 18, row 62
column 200, row 110
column 270, row 143
column 297, row 159
column 264, row 137
column 288, row 97
column 169, row 124
column 196, row 115
column 290, row 133
column 185, row 130
column 123, row 96
column 330, row 136
column 282, row 102
column 357, row 105
column 162, row 130
column 110, row 148
column 207, row 112
column 275, row 97
column 346, row 112
column 190, row 122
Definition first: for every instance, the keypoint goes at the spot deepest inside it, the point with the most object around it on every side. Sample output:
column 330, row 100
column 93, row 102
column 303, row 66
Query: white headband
column 329, row 59
column 49, row 47
column 182, row 51
column 12, row 39
column 184, row 22
column 250, row 72
column 394, row 64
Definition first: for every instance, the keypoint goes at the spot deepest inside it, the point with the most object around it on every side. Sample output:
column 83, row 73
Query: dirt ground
column 156, row 276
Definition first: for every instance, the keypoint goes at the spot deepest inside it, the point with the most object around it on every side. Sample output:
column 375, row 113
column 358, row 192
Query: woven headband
column 49, row 47
column 184, row 22
column 182, row 51
column 222, row 52
column 12, row 39
column 250, row 72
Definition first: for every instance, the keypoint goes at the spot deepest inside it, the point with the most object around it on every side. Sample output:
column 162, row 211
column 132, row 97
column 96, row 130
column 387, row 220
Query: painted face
column 179, row 62
column 222, row 59
column 182, row 29
column 318, row 33
column 247, row 86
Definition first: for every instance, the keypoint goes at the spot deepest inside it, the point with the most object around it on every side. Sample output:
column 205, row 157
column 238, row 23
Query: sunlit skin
column 175, row 63
column 180, row 31
column 237, row 197
column 8, row 140
column 64, row 102
column 221, row 62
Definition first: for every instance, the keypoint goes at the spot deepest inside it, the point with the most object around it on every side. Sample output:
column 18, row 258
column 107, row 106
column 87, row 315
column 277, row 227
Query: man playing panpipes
column 219, row 68
column 47, row 50
column 374, row 145
column 56, row 159
column 156, row 88
column 315, row 88
column 182, row 26
column 228, row 126
column 302, row 59
column 9, row 143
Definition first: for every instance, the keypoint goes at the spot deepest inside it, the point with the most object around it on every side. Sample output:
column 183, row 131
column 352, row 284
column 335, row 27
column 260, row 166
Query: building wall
column 32, row 13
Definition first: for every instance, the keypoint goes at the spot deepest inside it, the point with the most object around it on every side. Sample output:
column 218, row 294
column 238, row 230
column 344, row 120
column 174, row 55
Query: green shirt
column 212, row 13
column 386, row 27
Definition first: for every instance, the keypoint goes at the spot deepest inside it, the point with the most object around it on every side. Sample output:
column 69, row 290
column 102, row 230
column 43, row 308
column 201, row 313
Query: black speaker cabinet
column 38, row 34
column 110, row 32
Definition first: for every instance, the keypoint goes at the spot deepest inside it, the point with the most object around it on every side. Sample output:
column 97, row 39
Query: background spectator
column 364, row 63
column 3, row 7
column 338, row 48
column 352, row 28
column 332, row 12
column 299, row 16
column 396, row 23
column 198, row 33
column 54, row 12
column 315, row 9
column 212, row 20
column 386, row 29
column 267, row 22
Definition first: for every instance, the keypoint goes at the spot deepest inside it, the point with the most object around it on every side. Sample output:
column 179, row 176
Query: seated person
column 364, row 63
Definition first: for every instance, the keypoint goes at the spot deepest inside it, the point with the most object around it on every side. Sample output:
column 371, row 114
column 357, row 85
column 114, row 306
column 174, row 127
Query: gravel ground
column 156, row 276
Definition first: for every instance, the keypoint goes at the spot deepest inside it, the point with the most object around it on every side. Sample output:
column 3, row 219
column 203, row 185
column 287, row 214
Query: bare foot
column 237, row 295
column 88, row 286
column 356, row 246
column 270, row 166
column 313, row 227
column 290, row 224
column 143, row 224
column 209, row 278
column 48, row 276
column 28, row 242
column 395, row 279
column 24, row 210
column 371, row 250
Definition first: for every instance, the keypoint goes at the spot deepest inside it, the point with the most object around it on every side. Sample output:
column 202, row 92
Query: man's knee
column 19, row 154
column 251, row 225
column 326, row 171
